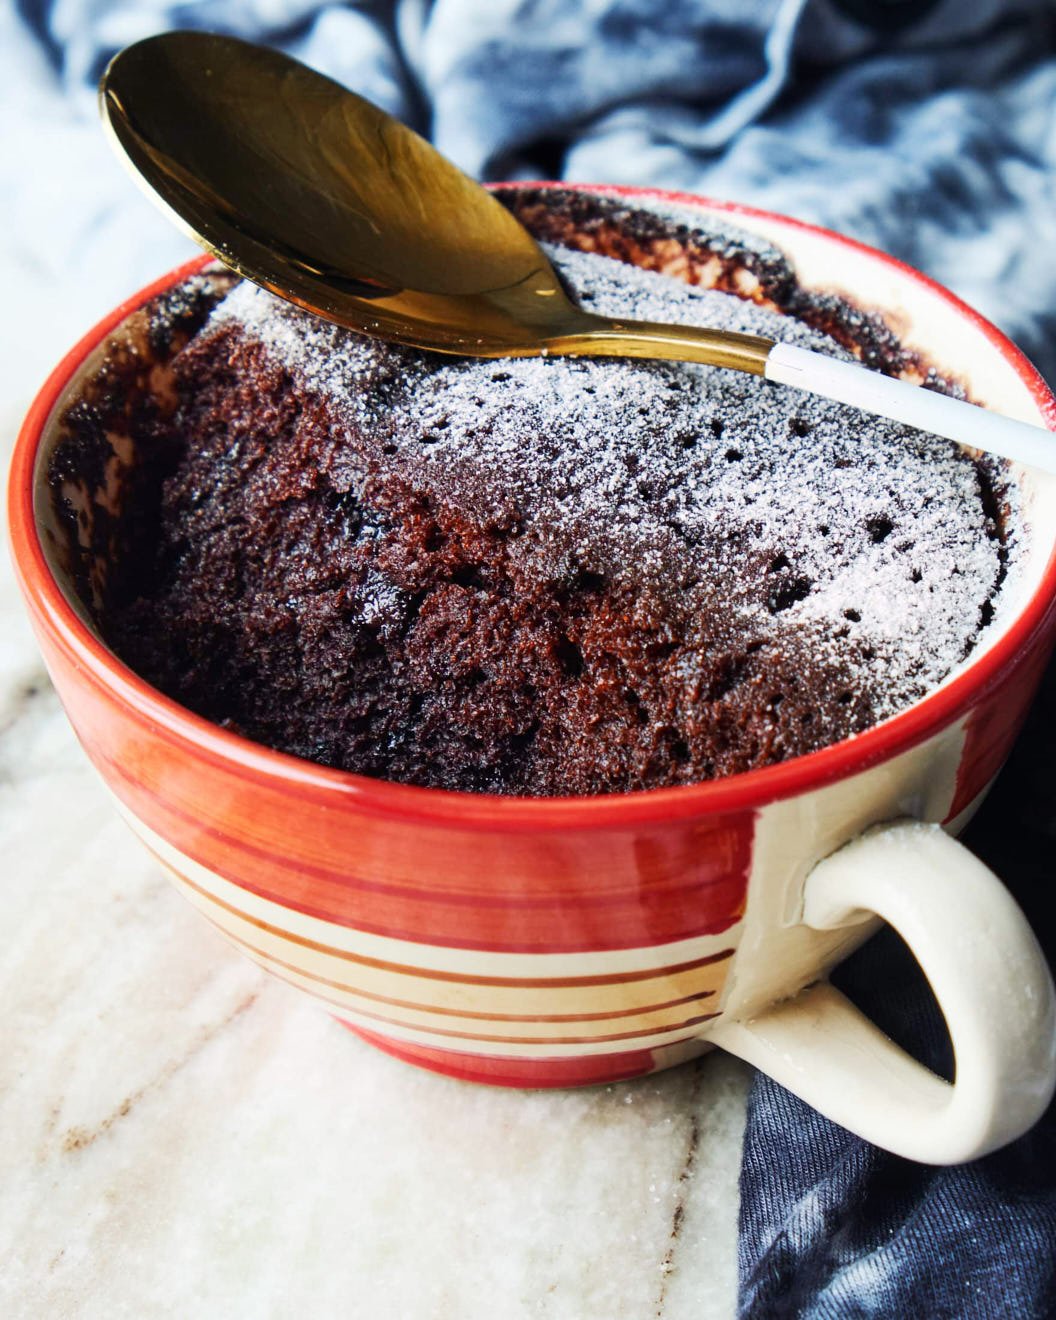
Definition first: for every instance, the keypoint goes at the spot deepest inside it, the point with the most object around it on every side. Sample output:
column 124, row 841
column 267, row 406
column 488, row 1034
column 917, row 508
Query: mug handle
column 986, row 970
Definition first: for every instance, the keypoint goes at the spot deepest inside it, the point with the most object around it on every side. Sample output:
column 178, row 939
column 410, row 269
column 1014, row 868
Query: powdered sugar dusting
column 869, row 543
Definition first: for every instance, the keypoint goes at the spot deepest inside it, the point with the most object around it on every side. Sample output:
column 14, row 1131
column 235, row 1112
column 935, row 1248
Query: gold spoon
column 322, row 198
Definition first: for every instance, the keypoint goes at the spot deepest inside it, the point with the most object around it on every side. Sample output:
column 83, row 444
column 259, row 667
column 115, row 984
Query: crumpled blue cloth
column 925, row 127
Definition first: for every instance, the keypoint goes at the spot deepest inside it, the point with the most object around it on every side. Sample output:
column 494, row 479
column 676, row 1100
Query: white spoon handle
column 847, row 382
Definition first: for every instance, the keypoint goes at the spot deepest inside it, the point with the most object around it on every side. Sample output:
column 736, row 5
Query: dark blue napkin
column 925, row 127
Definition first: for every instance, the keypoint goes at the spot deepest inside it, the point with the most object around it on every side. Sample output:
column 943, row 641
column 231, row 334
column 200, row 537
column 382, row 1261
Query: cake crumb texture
column 547, row 576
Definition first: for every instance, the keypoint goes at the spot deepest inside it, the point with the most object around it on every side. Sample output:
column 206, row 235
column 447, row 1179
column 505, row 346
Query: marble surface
column 181, row 1136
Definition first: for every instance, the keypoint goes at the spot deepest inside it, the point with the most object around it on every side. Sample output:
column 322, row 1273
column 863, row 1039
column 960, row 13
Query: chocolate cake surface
column 550, row 576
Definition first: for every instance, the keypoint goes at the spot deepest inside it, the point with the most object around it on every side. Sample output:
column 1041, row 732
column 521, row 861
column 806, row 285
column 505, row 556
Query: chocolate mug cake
column 538, row 576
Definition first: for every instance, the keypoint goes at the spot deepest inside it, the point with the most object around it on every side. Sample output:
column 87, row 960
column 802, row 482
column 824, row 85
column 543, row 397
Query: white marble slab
column 181, row 1137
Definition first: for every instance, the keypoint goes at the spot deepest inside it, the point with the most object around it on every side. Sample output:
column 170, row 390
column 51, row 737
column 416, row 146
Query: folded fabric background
column 925, row 127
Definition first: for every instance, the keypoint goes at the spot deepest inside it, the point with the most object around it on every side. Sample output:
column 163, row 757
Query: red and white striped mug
column 566, row 941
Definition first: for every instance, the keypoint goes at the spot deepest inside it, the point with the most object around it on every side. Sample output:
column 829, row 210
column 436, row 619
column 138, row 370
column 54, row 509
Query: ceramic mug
column 557, row 942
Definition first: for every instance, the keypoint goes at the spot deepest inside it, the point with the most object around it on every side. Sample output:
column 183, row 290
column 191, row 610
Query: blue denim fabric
column 925, row 127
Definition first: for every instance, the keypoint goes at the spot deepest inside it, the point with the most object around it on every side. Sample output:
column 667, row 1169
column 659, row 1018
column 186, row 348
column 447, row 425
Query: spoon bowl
column 324, row 199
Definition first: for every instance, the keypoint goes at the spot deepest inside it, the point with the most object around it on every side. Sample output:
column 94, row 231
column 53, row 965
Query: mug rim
column 734, row 793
